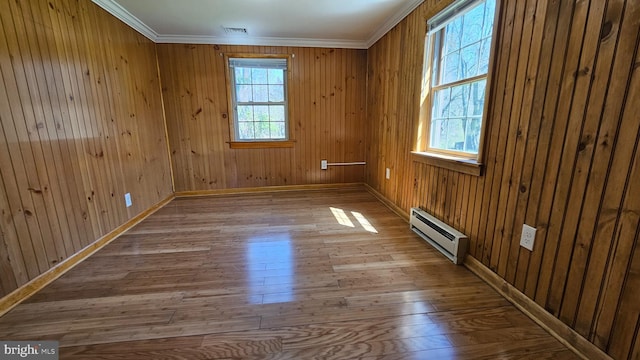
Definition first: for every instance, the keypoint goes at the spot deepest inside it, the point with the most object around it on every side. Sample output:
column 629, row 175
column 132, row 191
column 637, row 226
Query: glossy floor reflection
column 330, row 274
column 270, row 253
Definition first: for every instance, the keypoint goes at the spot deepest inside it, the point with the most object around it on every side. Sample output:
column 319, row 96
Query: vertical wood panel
column 545, row 101
column 81, row 124
column 326, row 109
column 526, row 137
column 593, row 158
column 517, row 131
column 496, row 135
column 564, row 214
column 561, row 155
column 39, row 139
column 557, row 177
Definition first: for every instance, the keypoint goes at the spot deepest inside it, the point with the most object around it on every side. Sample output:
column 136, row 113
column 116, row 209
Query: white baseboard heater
column 449, row 241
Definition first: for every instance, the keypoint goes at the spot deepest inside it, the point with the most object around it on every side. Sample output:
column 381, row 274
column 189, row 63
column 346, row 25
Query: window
column 458, row 48
column 258, row 92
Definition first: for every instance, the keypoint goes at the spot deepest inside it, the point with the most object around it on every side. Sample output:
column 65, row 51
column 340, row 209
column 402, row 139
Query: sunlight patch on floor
column 342, row 217
column 364, row 222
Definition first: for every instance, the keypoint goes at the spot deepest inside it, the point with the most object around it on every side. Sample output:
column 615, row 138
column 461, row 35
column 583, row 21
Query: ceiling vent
column 235, row 30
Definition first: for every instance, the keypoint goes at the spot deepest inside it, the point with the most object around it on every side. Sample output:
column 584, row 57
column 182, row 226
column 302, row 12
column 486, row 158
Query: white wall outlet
column 127, row 199
column 528, row 237
column 387, row 174
column 323, row 164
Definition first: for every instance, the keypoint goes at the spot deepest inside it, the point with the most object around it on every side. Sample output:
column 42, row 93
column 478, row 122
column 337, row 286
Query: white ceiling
column 317, row 23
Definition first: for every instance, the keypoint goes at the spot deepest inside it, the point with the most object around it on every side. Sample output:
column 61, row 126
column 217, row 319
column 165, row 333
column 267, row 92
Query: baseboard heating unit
column 449, row 241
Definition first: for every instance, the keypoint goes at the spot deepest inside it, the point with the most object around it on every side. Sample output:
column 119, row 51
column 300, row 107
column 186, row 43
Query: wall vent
column 235, row 30
column 452, row 243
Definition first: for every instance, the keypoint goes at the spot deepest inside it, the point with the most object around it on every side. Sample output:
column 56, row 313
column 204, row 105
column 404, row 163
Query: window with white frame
column 458, row 48
column 258, row 88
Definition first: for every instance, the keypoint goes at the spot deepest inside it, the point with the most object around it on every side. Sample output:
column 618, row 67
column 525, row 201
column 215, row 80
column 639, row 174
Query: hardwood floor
column 329, row 274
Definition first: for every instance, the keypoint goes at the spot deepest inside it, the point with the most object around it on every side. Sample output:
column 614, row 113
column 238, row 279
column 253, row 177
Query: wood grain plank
column 552, row 170
column 528, row 129
column 496, row 229
column 66, row 98
column 570, row 176
column 598, row 270
column 622, row 249
column 300, row 284
column 544, row 111
column 588, row 189
column 21, row 154
column 496, row 153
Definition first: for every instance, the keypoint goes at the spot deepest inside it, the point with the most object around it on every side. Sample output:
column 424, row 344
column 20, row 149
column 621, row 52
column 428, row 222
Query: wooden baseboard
column 263, row 189
column 565, row 334
column 29, row 289
column 395, row 208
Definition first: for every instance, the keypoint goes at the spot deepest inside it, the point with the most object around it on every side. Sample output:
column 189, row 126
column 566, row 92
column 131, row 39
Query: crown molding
column 393, row 21
column 126, row 17
column 261, row 41
column 115, row 9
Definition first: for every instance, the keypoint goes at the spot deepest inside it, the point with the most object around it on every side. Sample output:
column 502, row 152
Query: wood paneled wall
column 327, row 118
column 561, row 155
column 81, row 124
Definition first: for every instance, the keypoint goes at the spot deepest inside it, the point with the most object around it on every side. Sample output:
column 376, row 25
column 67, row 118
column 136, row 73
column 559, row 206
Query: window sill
column 465, row 166
column 261, row 144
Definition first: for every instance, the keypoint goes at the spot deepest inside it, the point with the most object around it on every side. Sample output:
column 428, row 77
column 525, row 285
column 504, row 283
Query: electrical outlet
column 528, row 237
column 387, row 174
column 323, row 164
column 127, row 199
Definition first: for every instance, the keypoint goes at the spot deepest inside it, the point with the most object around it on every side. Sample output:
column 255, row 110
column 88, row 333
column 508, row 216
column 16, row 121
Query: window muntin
column 259, row 98
column 458, row 51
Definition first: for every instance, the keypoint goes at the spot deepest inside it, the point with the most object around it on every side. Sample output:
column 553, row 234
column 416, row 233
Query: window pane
column 276, row 93
column 276, row 76
column 438, row 134
column 472, row 140
column 276, row 112
column 451, row 68
column 262, row 130
column 457, row 117
column 436, row 107
column 261, row 113
column 452, row 32
column 244, row 93
column 472, row 25
column 469, row 57
column 476, row 97
column 489, row 14
column 442, row 103
column 245, row 113
column 245, row 130
column 243, row 75
column 459, row 101
column 455, row 134
column 260, row 93
column 259, row 76
column 483, row 61
column 435, row 64
column 277, row 130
